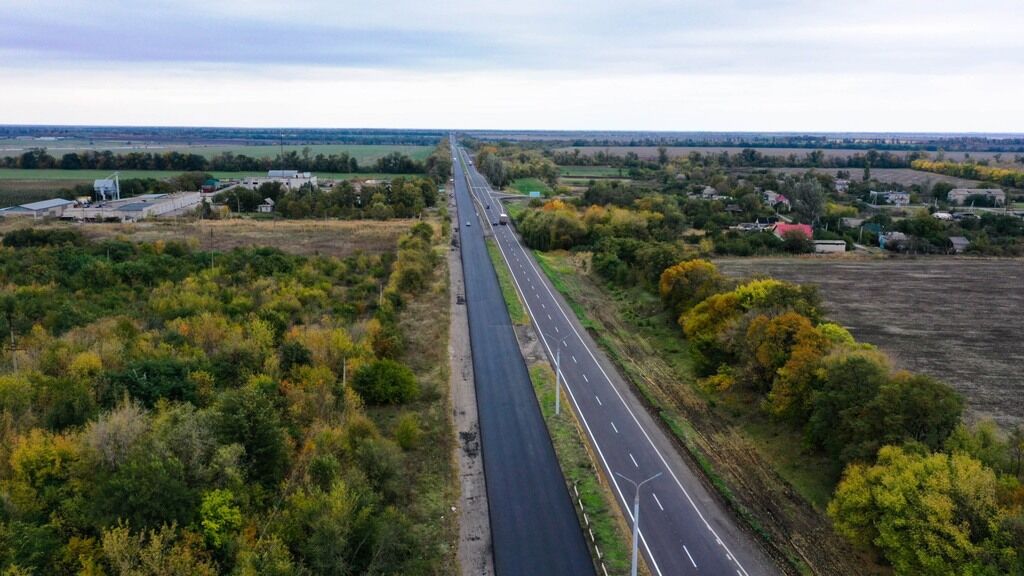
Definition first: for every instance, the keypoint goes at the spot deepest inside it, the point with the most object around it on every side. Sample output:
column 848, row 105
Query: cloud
column 654, row 64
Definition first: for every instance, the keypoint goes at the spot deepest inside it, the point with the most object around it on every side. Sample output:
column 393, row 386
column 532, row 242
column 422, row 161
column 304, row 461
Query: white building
column 891, row 197
column 137, row 207
column 960, row 195
column 291, row 179
column 54, row 207
column 829, row 246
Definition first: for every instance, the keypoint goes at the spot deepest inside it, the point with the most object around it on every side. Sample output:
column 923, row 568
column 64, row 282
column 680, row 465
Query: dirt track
column 957, row 319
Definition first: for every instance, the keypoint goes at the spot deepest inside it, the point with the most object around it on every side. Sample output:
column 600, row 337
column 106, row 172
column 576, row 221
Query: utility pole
column 636, row 515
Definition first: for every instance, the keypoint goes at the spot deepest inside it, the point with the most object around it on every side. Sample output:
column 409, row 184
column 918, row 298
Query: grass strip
column 610, row 534
column 508, row 289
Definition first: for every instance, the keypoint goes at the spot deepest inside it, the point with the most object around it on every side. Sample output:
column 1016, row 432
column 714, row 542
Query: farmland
column 651, row 152
column 902, row 176
column 364, row 153
column 19, row 186
column 957, row 320
column 337, row 238
column 590, row 171
column 527, row 185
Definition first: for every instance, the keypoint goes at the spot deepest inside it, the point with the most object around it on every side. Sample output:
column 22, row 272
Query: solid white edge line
column 742, row 571
column 586, row 424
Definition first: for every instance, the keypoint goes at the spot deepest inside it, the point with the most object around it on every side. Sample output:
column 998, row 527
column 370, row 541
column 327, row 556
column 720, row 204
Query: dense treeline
column 747, row 157
column 171, row 411
column 929, row 494
column 504, row 163
column 241, row 136
column 39, row 158
column 973, row 171
column 401, row 197
column 636, row 231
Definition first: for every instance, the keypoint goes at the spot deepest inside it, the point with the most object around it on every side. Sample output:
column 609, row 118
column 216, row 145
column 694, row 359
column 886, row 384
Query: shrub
column 407, row 432
column 386, row 382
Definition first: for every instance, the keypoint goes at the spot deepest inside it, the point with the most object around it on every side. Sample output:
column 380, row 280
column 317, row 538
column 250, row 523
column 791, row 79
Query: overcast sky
column 544, row 64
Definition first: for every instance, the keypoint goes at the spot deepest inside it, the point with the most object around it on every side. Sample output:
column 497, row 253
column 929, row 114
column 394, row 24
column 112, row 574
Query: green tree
column 928, row 514
column 386, row 382
column 246, row 416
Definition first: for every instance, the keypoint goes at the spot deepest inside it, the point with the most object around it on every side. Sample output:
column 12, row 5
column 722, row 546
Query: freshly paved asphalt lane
column 684, row 529
column 534, row 526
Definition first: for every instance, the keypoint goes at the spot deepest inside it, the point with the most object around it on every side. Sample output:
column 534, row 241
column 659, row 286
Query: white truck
column 503, row 219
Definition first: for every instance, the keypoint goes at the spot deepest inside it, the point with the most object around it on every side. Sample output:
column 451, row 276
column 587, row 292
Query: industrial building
column 960, row 195
column 136, row 208
column 53, row 208
column 290, row 179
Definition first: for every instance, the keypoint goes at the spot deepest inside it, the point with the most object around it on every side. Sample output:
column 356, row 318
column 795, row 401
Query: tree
column 687, row 283
column 808, row 199
column 769, row 344
column 386, row 382
column 246, row 416
column 158, row 552
column 928, row 514
column 850, row 380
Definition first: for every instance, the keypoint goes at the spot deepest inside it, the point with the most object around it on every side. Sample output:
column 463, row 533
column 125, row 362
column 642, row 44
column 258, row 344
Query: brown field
column 959, row 320
column 902, row 176
column 339, row 238
column 652, row 152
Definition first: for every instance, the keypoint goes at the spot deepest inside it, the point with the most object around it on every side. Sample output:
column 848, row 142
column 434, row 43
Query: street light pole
column 636, row 515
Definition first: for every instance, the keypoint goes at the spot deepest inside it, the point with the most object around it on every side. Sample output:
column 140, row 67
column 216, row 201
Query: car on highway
column 467, row 223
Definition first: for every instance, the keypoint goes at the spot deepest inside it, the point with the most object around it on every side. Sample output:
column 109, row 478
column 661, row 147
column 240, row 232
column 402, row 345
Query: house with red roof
column 781, row 228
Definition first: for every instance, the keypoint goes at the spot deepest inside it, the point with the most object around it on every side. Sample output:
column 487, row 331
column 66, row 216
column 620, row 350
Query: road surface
column 534, row 526
column 684, row 529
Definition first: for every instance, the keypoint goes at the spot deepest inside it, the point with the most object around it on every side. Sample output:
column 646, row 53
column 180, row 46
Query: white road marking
column 585, row 378
column 542, row 305
column 549, row 316
column 647, row 436
column 685, row 549
column 633, row 459
column 599, row 403
column 590, row 433
column 614, row 428
column 574, row 359
column 658, row 502
column 556, row 328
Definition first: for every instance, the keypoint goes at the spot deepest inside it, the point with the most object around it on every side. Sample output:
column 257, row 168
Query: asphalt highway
column 684, row 528
column 534, row 527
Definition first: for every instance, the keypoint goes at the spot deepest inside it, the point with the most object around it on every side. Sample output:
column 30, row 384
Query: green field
column 590, row 171
column 363, row 153
column 19, row 186
column 527, row 185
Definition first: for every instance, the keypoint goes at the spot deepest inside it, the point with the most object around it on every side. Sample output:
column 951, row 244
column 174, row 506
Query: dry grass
column 339, row 238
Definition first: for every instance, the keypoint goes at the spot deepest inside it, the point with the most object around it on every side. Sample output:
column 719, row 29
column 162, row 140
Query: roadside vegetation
column 829, row 414
column 172, row 411
column 508, row 290
column 611, row 535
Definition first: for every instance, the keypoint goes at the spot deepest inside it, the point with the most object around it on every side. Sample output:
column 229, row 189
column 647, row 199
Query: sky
column 726, row 65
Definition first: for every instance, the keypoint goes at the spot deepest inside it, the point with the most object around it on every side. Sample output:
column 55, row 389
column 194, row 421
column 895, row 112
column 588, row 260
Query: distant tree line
column 747, row 157
column 39, row 158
